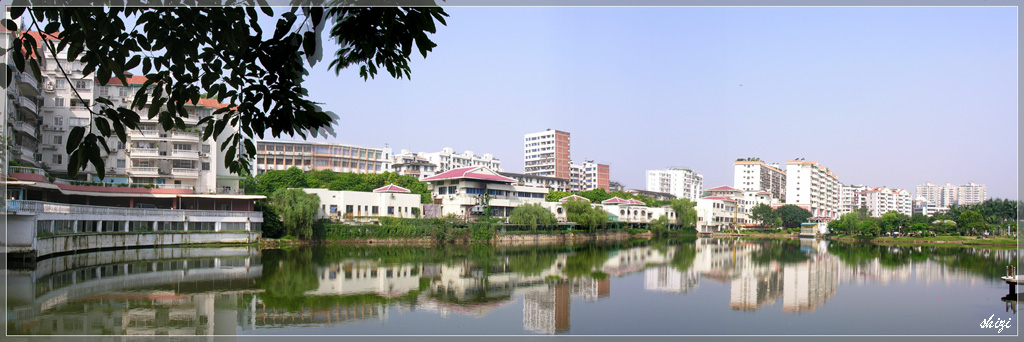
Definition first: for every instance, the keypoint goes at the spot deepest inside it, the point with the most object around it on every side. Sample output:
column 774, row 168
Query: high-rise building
column 813, row 187
column 949, row 194
column 21, row 116
column 407, row 163
column 309, row 155
column 682, row 183
column 589, row 176
column 882, row 200
column 755, row 175
column 851, row 198
column 547, row 154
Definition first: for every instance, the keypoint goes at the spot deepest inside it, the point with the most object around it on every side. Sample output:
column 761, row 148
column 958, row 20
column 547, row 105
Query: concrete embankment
column 554, row 239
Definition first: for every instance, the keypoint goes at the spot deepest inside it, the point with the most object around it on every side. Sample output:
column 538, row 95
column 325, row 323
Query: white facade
column 463, row 192
column 338, row 204
column 851, row 198
column 682, row 183
column 923, row 206
column 407, row 163
column 715, row 214
column 447, row 160
column 948, row 194
column 813, row 187
column 756, row 175
column 882, row 200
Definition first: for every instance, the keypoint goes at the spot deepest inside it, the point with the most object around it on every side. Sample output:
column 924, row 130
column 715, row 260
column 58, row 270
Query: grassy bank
column 963, row 240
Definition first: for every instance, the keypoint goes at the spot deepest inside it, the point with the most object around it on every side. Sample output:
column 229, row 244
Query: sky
column 883, row 96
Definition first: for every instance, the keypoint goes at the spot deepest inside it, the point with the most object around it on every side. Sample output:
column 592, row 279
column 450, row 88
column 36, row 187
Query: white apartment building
column 756, row 175
column 813, row 187
column 882, row 200
column 178, row 158
column 682, row 183
column 745, row 202
column 447, row 160
column 970, row 193
column 851, row 198
column 463, row 192
column 588, row 176
column 407, row 163
column 546, row 153
column 949, row 194
column 923, row 206
column 319, row 156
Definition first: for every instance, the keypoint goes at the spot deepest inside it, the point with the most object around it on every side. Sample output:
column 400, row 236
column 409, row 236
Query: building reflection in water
column 135, row 292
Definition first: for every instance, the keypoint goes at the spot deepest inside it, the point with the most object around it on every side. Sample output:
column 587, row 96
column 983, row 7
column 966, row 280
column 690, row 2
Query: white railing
column 29, row 79
column 178, row 171
column 145, row 133
column 143, row 170
column 185, row 153
column 174, row 186
column 22, row 169
column 39, row 207
column 141, row 151
column 25, row 102
column 180, row 134
column 25, row 127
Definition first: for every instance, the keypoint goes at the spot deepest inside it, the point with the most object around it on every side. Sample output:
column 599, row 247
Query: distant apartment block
column 682, row 183
column 407, row 163
column 661, row 196
column 752, row 174
column 447, row 160
column 546, row 153
column 948, row 194
column 589, row 176
column 550, row 183
column 882, row 200
column 813, row 187
column 922, row 206
column 306, row 155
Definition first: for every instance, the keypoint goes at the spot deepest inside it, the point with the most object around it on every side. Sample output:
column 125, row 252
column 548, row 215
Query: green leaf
column 74, row 138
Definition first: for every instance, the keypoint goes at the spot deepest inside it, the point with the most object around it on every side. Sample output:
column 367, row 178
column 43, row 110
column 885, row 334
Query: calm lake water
column 662, row 287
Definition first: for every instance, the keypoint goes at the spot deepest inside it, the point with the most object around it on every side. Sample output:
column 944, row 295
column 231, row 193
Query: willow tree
column 187, row 52
column 298, row 211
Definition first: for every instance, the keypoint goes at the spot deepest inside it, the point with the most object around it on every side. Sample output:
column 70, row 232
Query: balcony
column 24, row 102
column 185, row 135
column 144, row 152
column 190, row 154
column 145, row 134
column 184, row 172
column 26, row 153
column 29, row 82
column 25, row 127
column 143, row 171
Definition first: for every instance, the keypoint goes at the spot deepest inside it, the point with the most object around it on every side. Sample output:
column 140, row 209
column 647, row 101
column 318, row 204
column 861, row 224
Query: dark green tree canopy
column 222, row 53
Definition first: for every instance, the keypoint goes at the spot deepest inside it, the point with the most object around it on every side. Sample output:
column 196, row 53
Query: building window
column 58, row 102
column 442, row 190
column 206, row 166
column 58, row 159
column 120, row 163
column 58, row 139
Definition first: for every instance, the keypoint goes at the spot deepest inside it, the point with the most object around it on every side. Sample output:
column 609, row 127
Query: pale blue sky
column 883, row 96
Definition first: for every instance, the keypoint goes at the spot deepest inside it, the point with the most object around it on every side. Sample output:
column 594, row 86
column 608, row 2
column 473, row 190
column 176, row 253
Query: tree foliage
column 792, row 216
column 297, row 209
column 222, row 53
column 585, row 215
column 686, row 214
column 894, row 222
column 763, row 213
column 270, row 181
column 532, row 215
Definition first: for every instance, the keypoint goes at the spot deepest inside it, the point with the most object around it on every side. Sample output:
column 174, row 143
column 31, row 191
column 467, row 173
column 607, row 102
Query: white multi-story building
column 813, row 187
column 949, row 194
column 716, row 213
column 447, row 160
column 20, row 117
column 923, row 206
column 467, row 191
column 745, row 202
column 390, row 201
column 546, row 153
column 970, row 193
column 588, row 176
column 682, row 183
column 756, row 175
column 176, row 158
column 407, row 163
column 882, row 200
column 851, row 198
column 319, row 156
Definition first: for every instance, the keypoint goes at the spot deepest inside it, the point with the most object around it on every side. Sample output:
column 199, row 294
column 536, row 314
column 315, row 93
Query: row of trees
column 994, row 216
column 788, row 216
column 591, row 218
column 269, row 182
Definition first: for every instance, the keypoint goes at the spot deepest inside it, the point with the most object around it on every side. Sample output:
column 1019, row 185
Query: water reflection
column 202, row 291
